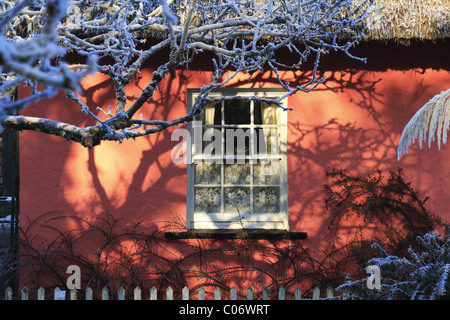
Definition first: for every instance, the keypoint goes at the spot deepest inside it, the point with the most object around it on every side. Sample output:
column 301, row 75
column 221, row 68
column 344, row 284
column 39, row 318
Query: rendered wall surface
column 353, row 122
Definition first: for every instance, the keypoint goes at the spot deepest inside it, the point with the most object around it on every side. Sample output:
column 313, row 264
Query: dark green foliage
column 390, row 206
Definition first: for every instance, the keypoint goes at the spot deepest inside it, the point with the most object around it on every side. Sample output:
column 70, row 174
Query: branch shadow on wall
column 124, row 245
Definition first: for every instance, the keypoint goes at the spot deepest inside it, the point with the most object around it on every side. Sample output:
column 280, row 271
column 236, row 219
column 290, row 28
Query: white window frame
column 277, row 221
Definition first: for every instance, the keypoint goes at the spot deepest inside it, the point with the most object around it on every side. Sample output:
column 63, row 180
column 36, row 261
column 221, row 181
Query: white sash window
column 237, row 176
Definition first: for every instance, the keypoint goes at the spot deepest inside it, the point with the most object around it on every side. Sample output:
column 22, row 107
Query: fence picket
column 185, row 293
column 249, row 293
column 169, row 293
column 8, row 293
column 137, row 293
column 201, row 293
column 89, row 294
column 121, row 294
column 233, row 293
column 24, row 294
column 298, row 293
column 281, row 294
column 217, row 294
column 153, row 294
column 265, row 293
column 105, row 293
column 316, row 293
column 72, row 294
column 41, row 294
column 330, row 292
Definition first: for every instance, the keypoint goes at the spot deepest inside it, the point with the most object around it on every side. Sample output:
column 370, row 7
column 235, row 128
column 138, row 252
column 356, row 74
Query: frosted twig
column 238, row 37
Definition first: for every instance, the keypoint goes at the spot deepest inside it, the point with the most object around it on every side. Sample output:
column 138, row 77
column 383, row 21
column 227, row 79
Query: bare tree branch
column 243, row 37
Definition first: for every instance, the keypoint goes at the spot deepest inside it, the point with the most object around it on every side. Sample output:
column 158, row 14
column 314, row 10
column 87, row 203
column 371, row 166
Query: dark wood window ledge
column 236, row 234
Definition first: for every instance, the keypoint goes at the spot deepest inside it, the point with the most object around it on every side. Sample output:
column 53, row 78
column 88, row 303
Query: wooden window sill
column 236, row 234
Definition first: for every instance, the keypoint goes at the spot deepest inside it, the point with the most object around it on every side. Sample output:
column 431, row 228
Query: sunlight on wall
column 116, row 165
column 358, row 129
column 77, row 184
column 354, row 122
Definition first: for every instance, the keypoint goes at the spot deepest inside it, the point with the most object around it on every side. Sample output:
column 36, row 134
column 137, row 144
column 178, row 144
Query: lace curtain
column 237, row 188
column 241, row 184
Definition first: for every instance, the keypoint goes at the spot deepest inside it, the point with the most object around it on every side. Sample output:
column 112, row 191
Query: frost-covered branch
column 241, row 36
column 423, row 275
column 33, row 58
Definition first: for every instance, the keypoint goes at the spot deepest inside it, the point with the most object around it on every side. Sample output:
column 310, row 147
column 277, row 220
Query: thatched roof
column 408, row 19
column 399, row 19
column 395, row 20
column 391, row 20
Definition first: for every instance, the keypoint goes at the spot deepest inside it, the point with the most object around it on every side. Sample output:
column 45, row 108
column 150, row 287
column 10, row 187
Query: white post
column 8, row 293
column 217, row 294
column 233, row 293
column 316, row 293
column 105, row 293
column 89, row 294
column 330, row 292
column 201, row 293
column 298, row 293
column 265, row 293
column 153, row 294
column 73, row 294
column 281, row 294
column 121, row 294
column 137, row 293
column 41, row 294
column 185, row 293
column 249, row 293
column 24, row 295
column 169, row 293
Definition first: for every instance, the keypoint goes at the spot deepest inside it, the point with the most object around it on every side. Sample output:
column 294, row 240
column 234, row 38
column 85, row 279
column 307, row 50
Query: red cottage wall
column 354, row 121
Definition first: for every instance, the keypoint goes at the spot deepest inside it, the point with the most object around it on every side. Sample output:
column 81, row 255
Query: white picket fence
column 169, row 294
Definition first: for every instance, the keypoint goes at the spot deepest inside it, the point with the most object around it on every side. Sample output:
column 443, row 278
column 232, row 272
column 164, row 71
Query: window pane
column 207, row 200
column 212, row 142
column 237, row 111
column 265, row 113
column 212, row 114
column 266, row 173
column 237, row 173
column 206, row 173
column 267, row 141
column 266, row 199
column 237, row 200
column 237, row 141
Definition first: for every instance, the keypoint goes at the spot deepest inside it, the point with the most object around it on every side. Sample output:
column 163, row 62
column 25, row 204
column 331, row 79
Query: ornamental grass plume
column 433, row 119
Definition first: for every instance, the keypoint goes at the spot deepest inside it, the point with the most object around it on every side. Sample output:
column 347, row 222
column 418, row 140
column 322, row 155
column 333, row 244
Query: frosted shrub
column 422, row 275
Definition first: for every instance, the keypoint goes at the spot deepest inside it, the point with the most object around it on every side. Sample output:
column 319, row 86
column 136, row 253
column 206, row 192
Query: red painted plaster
column 354, row 121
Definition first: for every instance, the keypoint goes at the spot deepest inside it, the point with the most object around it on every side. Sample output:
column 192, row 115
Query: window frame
column 268, row 221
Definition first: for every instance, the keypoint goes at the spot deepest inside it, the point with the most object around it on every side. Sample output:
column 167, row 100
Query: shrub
column 424, row 275
column 391, row 211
